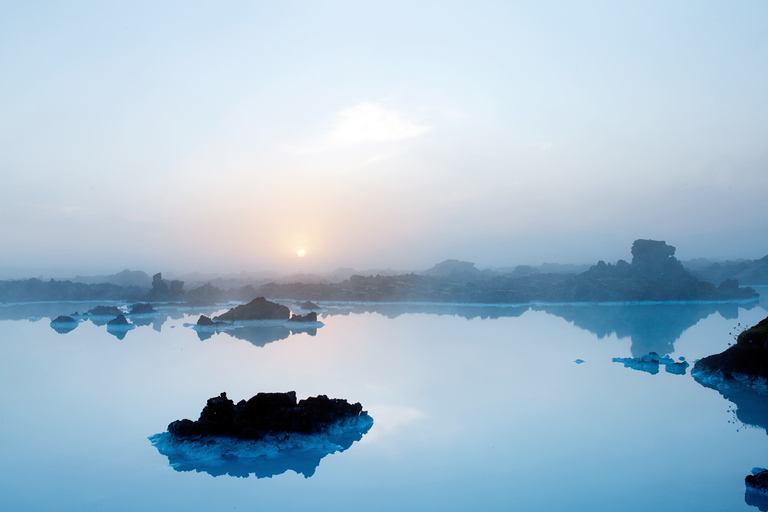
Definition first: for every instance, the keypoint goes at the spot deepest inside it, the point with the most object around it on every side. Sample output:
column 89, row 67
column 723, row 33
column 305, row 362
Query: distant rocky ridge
column 749, row 272
column 653, row 275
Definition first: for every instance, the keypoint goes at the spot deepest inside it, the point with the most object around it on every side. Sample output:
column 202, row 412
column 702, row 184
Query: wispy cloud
column 371, row 122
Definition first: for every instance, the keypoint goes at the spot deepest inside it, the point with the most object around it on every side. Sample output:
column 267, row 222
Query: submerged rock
column 258, row 309
column 651, row 362
column 743, row 364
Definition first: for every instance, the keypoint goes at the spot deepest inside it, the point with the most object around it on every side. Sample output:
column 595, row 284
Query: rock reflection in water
column 257, row 335
column 651, row 327
column 300, row 453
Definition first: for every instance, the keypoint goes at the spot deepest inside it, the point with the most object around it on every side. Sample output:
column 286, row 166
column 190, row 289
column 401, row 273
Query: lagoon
column 474, row 407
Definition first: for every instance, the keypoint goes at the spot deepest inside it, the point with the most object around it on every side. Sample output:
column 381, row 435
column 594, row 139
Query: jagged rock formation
column 745, row 363
column 258, row 309
column 204, row 321
column 267, row 435
column 164, row 290
column 654, row 275
column 266, row 413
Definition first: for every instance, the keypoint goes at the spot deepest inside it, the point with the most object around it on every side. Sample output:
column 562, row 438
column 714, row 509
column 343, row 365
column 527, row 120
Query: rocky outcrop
column 308, row 305
column 205, row 295
column 63, row 319
column 63, row 324
column 758, row 481
column 118, row 321
column 745, row 363
column 104, row 311
column 204, row 321
column 265, row 436
column 266, row 413
column 654, row 275
column 164, row 290
column 142, row 309
column 309, row 317
column 258, row 309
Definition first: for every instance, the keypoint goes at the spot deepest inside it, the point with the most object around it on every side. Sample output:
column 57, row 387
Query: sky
column 226, row 136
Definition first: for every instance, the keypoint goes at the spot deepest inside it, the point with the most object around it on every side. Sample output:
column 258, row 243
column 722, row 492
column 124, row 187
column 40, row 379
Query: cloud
column 370, row 122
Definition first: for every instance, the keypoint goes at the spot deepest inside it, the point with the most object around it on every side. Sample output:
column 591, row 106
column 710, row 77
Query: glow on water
column 473, row 408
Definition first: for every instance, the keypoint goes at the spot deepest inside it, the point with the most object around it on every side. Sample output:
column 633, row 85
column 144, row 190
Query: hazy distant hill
column 747, row 272
column 124, row 278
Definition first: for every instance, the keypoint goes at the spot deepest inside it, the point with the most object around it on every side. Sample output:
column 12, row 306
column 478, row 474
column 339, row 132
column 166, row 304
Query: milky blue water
column 474, row 408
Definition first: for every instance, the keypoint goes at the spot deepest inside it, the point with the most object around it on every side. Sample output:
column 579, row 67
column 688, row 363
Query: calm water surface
column 477, row 408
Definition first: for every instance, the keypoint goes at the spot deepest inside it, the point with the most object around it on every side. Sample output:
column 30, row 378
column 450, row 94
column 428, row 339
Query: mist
column 227, row 137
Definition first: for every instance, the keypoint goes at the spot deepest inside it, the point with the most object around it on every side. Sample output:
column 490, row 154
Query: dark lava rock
column 258, row 309
column 758, row 481
column 142, row 309
column 263, row 414
column 104, row 311
column 119, row 320
column 309, row 317
column 204, row 321
column 746, row 362
column 63, row 324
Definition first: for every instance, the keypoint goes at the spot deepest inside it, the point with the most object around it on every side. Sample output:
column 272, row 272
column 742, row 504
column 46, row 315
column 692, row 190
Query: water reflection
column 396, row 309
column 651, row 327
column 258, row 335
column 63, row 324
column 262, row 459
column 751, row 409
column 754, row 499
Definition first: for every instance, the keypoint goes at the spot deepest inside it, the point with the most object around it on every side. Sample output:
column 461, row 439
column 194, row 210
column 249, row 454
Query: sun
column 301, row 253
